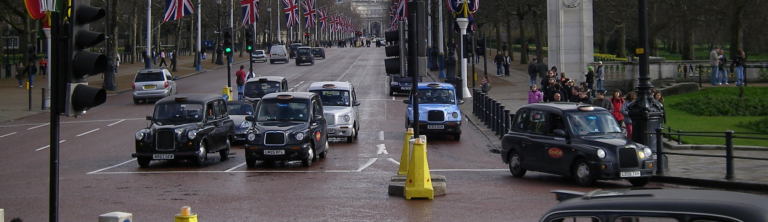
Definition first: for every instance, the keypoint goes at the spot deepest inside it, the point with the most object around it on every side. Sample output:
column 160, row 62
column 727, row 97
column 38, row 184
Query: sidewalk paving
column 512, row 92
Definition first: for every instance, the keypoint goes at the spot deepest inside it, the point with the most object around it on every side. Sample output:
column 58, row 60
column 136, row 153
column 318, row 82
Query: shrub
column 760, row 126
column 723, row 105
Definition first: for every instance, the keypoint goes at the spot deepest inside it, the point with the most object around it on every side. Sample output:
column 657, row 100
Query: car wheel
column 352, row 136
column 325, row 152
column 582, row 174
column 457, row 137
column 143, row 161
column 310, row 156
column 224, row 154
column 202, row 155
column 136, row 101
column 357, row 130
column 250, row 162
column 640, row 182
column 515, row 166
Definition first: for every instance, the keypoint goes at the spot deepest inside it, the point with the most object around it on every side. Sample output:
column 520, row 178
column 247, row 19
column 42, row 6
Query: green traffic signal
column 250, row 48
column 228, row 50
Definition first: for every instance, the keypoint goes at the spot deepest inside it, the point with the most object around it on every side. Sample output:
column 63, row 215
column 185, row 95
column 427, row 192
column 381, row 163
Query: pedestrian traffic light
column 80, row 97
column 396, row 49
column 249, row 40
column 227, row 41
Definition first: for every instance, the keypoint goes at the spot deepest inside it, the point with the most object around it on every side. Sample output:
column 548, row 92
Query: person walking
column 250, row 74
column 713, row 62
column 20, row 73
column 477, row 54
column 117, row 61
column 534, row 95
column 240, row 74
column 507, row 61
column 154, row 56
column 499, row 60
column 162, row 59
column 31, row 70
column 590, row 79
column 43, row 67
column 599, row 76
column 532, row 72
column 617, row 101
column 629, row 101
column 541, row 67
column 722, row 75
column 737, row 64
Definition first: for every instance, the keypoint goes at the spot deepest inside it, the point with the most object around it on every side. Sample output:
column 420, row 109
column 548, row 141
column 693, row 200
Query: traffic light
column 481, row 46
column 227, row 41
column 80, row 97
column 396, row 49
column 249, row 40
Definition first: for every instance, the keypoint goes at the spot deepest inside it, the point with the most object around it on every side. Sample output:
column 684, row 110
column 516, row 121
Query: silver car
column 340, row 108
column 259, row 55
column 153, row 84
column 238, row 110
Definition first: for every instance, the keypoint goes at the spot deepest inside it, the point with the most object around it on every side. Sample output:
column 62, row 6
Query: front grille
column 330, row 119
column 435, row 115
column 274, row 138
column 628, row 158
column 165, row 140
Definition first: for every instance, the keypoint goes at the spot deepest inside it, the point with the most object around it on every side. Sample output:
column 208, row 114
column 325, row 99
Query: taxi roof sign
column 586, row 108
column 329, row 86
column 285, row 97
column 180, row 99
column 434, row 85
column 263, row 79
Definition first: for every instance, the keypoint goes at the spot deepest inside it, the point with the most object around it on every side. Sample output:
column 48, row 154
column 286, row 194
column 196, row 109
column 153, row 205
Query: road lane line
column 84, row 121
column 294, row 87
column 382, row 149
column 187, row 171
column 116, row 122
column 31, row 128
column 7, row 134
column 88, row 132
column 350, row 68
column 381, row 135
column 46, row 146
column 106, row 168
column 393, row 160
column 233, row 168
column 366, row 165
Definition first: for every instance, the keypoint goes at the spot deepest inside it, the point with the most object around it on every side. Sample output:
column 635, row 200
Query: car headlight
column 601, row 153
column 192, row 134
column 251, row 137
column 646, row 153
column 347, row 118
column 245, row 124
column 299, row 136
column 139, row 135
column 455, row 115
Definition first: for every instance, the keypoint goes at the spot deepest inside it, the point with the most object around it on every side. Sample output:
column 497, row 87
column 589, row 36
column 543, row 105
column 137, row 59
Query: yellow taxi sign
column 329, row 86
column 180, row 99
column 434, row 85
column 586, row 108
column 285, row 97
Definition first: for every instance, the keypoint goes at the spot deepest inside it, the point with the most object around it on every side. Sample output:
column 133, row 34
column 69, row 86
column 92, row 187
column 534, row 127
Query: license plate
column 630, row 174
column 149, row 87
column 274, row 152
column 331, row 130
column 405, row 87
column 435, row 127
column 162, row 156
column 303, row 57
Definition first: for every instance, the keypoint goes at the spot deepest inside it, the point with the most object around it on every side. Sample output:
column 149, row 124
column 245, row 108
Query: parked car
column 259, row 55
column 238, row 110
column 661, row 205
column 294, row 47
column 398, row 84
column 153, row 84
column 257, row 87
column 318, row 52
column 304, row 55
column 439, row 111
column 575, row 140
column 287, row 126
column 278, row 53
column 186, row 127
column 341, row 108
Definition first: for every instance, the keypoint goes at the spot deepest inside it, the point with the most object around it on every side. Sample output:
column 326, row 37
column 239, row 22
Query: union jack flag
column 338, row 23
column 309, row 13
column 323, row 18
column 250, row 11
column 291, row 12
column 175, row 9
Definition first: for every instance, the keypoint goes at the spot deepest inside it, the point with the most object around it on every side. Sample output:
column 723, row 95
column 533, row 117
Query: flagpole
column 231, row 25
column 149, row 35
column 279, row 35
column 198, row 55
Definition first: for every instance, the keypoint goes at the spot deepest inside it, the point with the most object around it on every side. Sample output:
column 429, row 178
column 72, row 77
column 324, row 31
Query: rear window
column 258, row 52
column 149, row 77
column 303, row 50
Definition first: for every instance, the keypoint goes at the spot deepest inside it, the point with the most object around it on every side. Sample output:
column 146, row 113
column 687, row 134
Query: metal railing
column 491, row 112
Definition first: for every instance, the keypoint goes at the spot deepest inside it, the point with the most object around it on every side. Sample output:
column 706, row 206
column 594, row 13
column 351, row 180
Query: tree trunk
column 622, row 42
column 24, row 40
column 510, row 40
column 539, row 38
column 737, row 29
column 498, row 37
column 134, row 36
column 176, row 43
column 688, row 47
column 191, row 37
column 653, row 43
column 523, row 38
column 113, row 40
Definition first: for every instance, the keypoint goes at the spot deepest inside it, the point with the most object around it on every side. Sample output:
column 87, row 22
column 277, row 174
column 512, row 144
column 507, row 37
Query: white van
column 278, row 53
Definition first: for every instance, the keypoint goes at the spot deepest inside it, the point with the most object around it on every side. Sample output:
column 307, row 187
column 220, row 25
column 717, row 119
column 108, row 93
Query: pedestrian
column 630, row 100
column 507, row 61
column 534, row 96
column 590, row 79
column 722, row 75
column 477, row 54
column 657, row 96
column 552, row 88
column 154, row 56
column 541, row 67
column 250, row 74
column 162, row 59
column 600, row 76
column 602, row 102
column 532, row 72
column 568, row 89
column 617, row 101
column 737, row 64
column 20, row 73
column 563, row 80
column 713, row 62
column 240, row 74
column 485, row 85
column 557, row 97
column 545, row 80
column 574, row 98
column 499, row 60
column 117, row 61
column 31, row 70
column 583, row 97
column 43, row 67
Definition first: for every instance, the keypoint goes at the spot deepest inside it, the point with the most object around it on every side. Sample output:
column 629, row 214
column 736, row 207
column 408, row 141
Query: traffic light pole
column 56, row 74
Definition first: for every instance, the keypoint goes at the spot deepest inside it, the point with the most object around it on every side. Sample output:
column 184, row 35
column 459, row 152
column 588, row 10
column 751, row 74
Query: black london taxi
column 662, row 205
column 186, row 126
column 318, row 52
column 304, row 55
column 575, row 140
column 287, row 126
column 399, row 84
column 257, row 87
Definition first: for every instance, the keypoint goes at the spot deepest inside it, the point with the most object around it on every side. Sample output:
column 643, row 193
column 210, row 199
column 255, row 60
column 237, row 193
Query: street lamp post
column 463, row 22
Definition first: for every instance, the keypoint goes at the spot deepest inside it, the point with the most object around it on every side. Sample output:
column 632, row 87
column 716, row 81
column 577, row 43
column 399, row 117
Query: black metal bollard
column 500, row 125
column 507, row 122
column 661, row 161
column 487, row 110
column 729, row 155
column 491, row 110
column 484, row 107
column 679, row 137
column 42, row 106
column 494, row 115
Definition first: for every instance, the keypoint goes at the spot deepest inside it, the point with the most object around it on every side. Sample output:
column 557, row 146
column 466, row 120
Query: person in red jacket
column 617, row 101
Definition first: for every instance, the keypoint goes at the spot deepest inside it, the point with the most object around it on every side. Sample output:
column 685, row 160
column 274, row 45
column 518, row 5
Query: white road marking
column 366, row 165
column 88, row 132
column 235, row 167
column 31, row 128
column 294, row 87
column 84, row 121
column 46, row 146
column 106, row 168
column 7, row 134
column 279, row 171
column 350, row 68
column 382, row 149
column 393, row 98
column 393, row 160
column 381, row 135
column 116, row 122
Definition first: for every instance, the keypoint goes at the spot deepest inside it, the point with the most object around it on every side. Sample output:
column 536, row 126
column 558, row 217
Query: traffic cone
column 419, row 183
column 186, row 215
column 404, row 158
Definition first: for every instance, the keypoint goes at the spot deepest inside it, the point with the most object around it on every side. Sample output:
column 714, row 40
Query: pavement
column 511, row 91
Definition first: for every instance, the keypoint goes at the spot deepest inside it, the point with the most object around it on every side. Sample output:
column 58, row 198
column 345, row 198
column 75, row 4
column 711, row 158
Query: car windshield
column 436, row 96
column 240, row 109
column 303, row 50
column 593, row 124
column 177, row 113
column 282, row 111
column 333, row 97
column 149, row 77
column 256, row 88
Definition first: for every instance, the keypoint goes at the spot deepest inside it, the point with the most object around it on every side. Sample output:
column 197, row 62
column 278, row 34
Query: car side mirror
column 407, row 101
column 318, row 117
column 249, row 118
column 356, row 103
column 149, row 117
column 560, row 133
column 461, row 102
